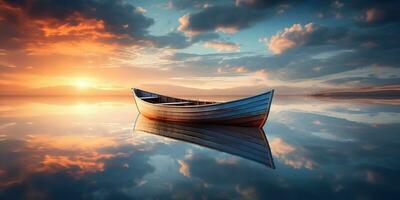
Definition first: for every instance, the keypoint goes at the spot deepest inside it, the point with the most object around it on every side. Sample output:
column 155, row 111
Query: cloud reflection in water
column 49, row 150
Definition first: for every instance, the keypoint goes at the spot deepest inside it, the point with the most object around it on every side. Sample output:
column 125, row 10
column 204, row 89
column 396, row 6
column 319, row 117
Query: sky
column 101, row 47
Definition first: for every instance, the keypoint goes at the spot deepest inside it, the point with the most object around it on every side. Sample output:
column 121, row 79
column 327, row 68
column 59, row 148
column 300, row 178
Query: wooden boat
column 251, row 111
column 246, row 142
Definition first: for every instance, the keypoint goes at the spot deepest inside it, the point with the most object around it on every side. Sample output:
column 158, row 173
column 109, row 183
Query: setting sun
column 82, row 83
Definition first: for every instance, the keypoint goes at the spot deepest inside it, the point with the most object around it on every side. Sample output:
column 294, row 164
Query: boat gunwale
column 196, row 106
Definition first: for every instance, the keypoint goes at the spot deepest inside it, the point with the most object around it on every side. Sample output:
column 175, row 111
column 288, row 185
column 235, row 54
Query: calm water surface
column 75, row 148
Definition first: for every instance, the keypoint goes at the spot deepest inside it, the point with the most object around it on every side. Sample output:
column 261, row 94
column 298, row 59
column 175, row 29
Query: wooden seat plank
column 175, row 103
column 145, row 98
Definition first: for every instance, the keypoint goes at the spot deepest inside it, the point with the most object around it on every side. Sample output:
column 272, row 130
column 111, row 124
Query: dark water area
column 92, row 148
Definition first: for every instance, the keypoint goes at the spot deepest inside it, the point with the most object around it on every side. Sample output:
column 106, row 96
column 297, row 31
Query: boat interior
column 166, row 100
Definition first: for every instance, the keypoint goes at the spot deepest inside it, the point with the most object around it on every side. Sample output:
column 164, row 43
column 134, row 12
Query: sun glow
column 82, row 83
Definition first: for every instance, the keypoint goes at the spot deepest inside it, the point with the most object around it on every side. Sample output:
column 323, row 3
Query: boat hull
column 250, row 112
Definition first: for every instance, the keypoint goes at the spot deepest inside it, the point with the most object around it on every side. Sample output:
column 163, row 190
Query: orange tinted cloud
column 291, row 155
column 72, row 48
column 373, row 15
column 72, row 142
column 87, row 160
column 34, row 23
column 236, row 69
column 231, row 30
column 222, row 46
column 84, row 163
column 289, row 38
column 184, row 168
column 184, row 26
column 91, row 28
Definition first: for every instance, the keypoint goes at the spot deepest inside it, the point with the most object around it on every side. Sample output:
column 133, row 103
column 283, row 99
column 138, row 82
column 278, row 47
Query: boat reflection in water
column 246, row 142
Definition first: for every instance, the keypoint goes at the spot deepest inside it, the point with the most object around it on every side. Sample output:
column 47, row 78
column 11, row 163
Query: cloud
column 140, row 9
column 379, row 13
column 291, row 155
column 177, row 40
column 174, row 40
column 117, row 37
column 262, row 74
column 320, row 52
column 235, row 69
column 118, row 17
column 232, row 16
column 298, row 35
column 222, row 45
column 247, row 192
column 41, row 25
column 239, row 69
column 290, row 37
column 204, row 37
column 259, row 4
column 102, row 168
column 228, row 19
column 280, row 147
column 112, row 21
column 211, row 178
column 372, row 176
column 184, row 168
column 195, row 4
column 373, row 15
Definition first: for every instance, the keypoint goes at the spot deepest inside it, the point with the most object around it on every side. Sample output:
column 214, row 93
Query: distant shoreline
column 384, row 94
